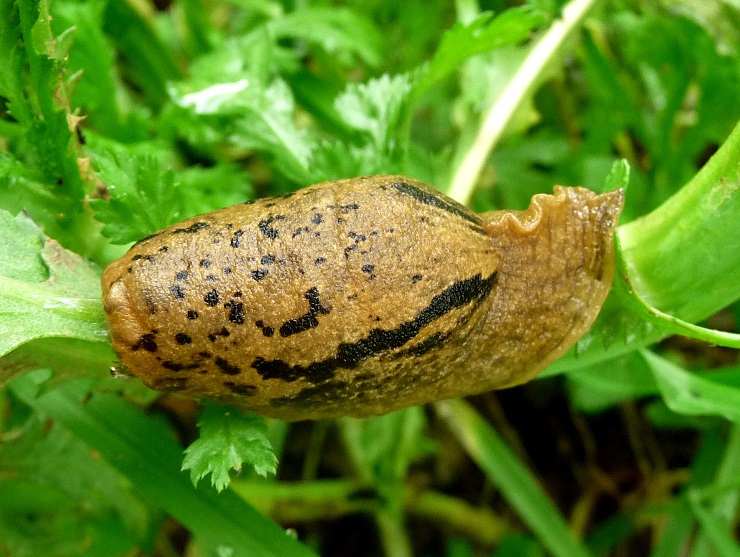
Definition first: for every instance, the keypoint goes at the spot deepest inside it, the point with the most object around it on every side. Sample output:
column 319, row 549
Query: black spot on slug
column 192, row 314
column 368, row 269
column 226, row 367
column 182, row 338
column 259, row 274
column 266, row 331
column 416, row 278
column 265, row 226
column 224, row 332
column 319, row 260
column 317, row 218
column 267, row 259
column 299, row 231
column 211, row 298
column 146, row 342
column 205, row 263
column 308, row 320
column 240, row 389
column 236, row 312
column 181, row 275
column 177, row 291
column 236, row 238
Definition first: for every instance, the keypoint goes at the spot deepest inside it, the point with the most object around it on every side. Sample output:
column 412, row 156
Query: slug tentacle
column 555, row 271
column 359, row 296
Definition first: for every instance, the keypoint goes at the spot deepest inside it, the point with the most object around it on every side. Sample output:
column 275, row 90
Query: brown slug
column 360, row 296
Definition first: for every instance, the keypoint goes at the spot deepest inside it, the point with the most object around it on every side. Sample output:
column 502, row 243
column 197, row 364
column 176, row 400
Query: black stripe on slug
column 192, row 229
column 349, row 355
column 430, row 198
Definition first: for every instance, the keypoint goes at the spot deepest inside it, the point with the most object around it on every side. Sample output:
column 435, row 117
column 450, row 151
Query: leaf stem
column 503, row 107
column 683, row 257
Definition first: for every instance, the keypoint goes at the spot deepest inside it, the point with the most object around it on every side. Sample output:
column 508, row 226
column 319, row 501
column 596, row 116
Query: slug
column 358, row 297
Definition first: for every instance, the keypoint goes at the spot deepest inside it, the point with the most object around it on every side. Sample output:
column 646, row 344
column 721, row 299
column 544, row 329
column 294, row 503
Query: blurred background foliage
column 119, row 117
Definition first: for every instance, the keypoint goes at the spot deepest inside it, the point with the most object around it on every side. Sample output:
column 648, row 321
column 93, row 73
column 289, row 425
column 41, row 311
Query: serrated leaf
column 375, row 108
column 229, row 97
column 228, row 440
column 143, row 196
column 340, row 31
column 46, row 291
column 483, row 34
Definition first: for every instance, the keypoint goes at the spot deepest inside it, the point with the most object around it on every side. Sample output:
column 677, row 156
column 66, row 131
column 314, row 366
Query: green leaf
column 146, row 60
column 229, row 96
column 228, row 439
column 511, row 477
column 97, row 89
column 715, row 529
column 144, row 450
column 46, row 510
column 144, row 198
column 483, row 34
column 40, row 278
column 694, row 394
column 599, row 386
column 619, row 176
column 387, row 445
column 207, row 189
column 340, row 31
column 375, row 108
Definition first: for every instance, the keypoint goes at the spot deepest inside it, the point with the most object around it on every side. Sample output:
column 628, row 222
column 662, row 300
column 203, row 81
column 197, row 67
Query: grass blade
column 517, row 484
column 146, row 453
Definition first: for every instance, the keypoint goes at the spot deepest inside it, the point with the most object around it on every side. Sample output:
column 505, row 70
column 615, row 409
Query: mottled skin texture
column 360, row 296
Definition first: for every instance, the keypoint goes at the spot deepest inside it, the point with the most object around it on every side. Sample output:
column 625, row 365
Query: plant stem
column 724, row 506
column 683, row 257
column 323, row 499
column 503, row 107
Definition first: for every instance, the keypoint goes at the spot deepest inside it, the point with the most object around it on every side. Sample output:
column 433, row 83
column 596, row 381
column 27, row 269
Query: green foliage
column 227, row 440
column 39, row 278
column 118, row 118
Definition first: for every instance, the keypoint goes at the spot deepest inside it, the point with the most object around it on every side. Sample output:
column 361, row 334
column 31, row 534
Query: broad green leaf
column 601, row 385
column 511, row 477
column 694, row 394
column 228, row 440
column 145, row 451
column 45, row 509
column 47, row 291
column 715, row 529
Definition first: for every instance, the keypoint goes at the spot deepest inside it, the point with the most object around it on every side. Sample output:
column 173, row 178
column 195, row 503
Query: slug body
column 360, row 296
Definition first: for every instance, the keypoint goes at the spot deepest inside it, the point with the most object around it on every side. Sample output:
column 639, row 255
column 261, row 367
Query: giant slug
column 360, row 296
